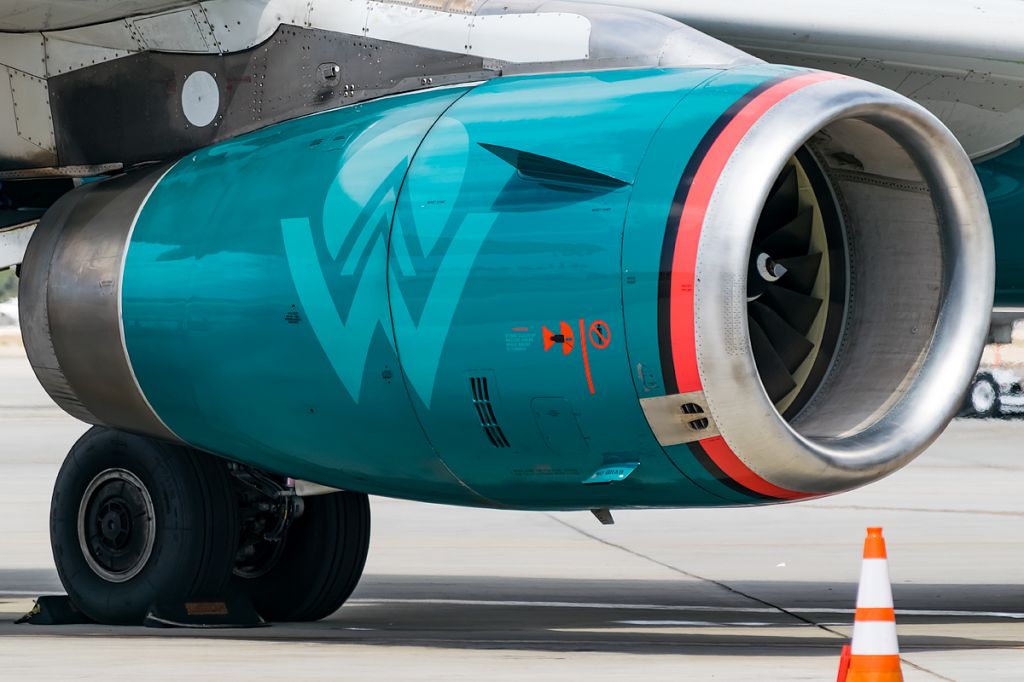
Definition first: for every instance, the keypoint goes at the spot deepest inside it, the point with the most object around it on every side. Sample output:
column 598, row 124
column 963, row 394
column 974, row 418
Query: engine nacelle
column 696, row 287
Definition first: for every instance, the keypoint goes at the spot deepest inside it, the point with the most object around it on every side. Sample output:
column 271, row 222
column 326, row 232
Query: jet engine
column 628, row 288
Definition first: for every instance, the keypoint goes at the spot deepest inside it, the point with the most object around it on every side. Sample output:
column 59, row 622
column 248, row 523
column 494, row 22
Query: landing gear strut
column 136, row 521
column 300, row 558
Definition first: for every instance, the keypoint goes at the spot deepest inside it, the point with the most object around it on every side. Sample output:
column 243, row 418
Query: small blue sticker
column 612, row 473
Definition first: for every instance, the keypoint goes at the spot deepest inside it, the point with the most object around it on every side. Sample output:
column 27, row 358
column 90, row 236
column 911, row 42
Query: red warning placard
column 564, row 338
column 597, row 332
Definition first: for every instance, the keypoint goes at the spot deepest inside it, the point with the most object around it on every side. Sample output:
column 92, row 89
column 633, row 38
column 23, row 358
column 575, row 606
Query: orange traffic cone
column 874, row 653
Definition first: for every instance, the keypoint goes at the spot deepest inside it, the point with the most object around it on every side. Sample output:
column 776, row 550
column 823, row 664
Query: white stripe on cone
column 874, row 638
column 874, row 591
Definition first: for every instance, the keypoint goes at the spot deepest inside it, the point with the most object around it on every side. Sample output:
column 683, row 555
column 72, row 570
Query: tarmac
column 463, row 594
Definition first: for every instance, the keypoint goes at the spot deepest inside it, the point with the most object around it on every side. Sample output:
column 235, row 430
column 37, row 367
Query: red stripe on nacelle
column 684, row 263
column 723, row 456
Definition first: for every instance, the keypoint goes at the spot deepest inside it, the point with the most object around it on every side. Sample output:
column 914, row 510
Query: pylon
column 844, row 663
column 874, row 653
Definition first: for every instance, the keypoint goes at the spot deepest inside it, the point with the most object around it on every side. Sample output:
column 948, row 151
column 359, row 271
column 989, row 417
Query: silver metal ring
column 123, row 489
column 812, row 458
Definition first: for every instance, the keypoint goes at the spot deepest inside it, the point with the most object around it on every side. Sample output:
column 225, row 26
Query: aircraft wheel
column 984, row 396
column 312, row 570
column 134, row 519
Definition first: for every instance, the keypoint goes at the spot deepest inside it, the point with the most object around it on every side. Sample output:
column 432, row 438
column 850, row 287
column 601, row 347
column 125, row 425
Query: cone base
column 853, row 676
column 874, row 669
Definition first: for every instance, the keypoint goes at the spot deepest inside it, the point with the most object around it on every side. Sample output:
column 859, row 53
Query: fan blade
column 781, row 206
column 792, row 347
column 774, row 376
column 793, row 239
column 796, row 309
column 801, row 272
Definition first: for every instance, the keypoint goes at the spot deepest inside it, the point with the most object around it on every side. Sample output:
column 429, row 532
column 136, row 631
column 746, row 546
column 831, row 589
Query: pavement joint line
column 730, row 588
column 926, row 510
column 673, row 607
column 497, row 644
column 915, row 666
column 694, row 576
column 697, row 623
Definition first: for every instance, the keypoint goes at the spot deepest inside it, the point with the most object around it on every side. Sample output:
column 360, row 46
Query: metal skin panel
column 255, row 311
column 534, row 255
column 109, row 112
column 260, row 331
column 32, row 15
column 969, row 77
column 70, row 292
column 671, row 148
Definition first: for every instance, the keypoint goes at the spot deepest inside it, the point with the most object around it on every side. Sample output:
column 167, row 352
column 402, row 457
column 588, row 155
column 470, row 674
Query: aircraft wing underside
column 51, row 15
column 971, row 77
column 973, row 80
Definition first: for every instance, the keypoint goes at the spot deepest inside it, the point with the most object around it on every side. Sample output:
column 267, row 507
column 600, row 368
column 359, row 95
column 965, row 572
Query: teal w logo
column 350, row 286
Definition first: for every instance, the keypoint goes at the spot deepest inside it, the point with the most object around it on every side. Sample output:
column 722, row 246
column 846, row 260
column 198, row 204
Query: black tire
column 194, row 527
column 984, row 384
column 320, row 564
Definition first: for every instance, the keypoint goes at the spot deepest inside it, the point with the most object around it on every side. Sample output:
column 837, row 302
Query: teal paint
column 340, row 340
column 1002, row 178
column 362, row 305
column 670, row 149
column 229, row 352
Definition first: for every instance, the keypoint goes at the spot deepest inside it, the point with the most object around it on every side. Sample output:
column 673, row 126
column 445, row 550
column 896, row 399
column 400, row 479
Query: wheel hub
column 116, row 525
column 982, row 396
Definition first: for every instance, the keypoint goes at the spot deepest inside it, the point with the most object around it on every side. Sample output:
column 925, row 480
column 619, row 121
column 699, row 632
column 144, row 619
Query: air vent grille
column 485, row 411
column 698, row 424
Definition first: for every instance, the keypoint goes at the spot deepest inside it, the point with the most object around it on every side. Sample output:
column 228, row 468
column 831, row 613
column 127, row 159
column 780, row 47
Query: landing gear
column 136, row 521
column 300, row 562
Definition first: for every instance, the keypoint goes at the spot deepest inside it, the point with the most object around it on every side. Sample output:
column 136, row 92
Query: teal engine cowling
column 632, row 288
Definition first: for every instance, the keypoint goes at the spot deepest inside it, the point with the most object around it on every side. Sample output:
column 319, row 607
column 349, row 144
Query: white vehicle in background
column 995, row 391
column 9, row 313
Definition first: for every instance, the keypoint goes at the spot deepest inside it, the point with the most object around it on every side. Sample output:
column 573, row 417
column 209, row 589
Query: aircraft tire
column 320, row 563
column 117, row 518
column 984, row 396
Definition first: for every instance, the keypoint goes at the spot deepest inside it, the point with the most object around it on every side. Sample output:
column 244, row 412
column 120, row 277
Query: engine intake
column 854, row 278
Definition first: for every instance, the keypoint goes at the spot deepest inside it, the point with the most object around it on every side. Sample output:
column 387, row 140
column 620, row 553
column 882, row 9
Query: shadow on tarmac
column 628, row 616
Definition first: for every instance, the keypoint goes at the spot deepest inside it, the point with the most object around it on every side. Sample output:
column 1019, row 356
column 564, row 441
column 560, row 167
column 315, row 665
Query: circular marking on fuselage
column 200, row 98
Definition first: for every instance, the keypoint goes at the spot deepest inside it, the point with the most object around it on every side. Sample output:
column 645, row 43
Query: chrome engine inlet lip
column 750, row 425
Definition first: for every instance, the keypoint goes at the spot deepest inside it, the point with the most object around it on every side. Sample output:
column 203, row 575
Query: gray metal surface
column 670, row 422
column 960, row 59
column 921, row 273
column 61, row 171
column 130, row 110
column 69, row 297
column 138, row 100
column 625, row 37
column 48, row 15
